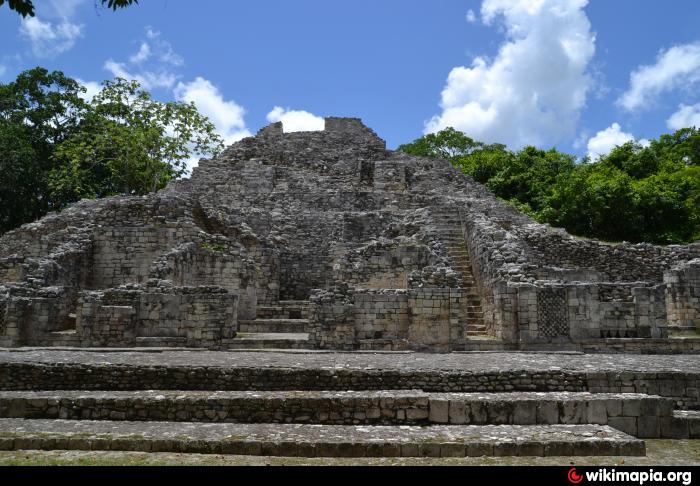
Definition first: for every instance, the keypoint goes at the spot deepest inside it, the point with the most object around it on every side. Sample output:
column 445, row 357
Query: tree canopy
column 56, row 147
column 26, row 7
column 635, row 193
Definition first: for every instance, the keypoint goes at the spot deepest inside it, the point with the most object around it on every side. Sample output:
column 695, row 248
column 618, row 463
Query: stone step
column 294, row 303
column 684, row 425
column 273, row 326
column 268, row 340
column 303, row 440
column 633, row 413
column 160, row 341
column 286, row 310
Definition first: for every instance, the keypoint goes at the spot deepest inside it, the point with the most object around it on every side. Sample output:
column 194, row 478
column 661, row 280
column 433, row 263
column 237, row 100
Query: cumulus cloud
column 471, row 16
column 677, row 67
column 152, row 65
column 59, row 8
column 685, row 117
column 142, row 55
column 532, row 92
column 605, row 140
column 48, row 39
column 296, row 120
column 92, row 89
column 148, row 79
column 227, row 116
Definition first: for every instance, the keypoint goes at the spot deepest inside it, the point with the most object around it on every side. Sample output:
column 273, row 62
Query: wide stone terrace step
column 685, row 425
column 269, row 340
column 295, row 326
column 635, row 414
column 673, row 376
column 301, row 440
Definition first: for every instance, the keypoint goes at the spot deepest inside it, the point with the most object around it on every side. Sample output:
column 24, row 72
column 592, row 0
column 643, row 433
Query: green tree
column 37, row 111
column 129, row 143
column 635, row 193
column 56, row 148
column 26, row 7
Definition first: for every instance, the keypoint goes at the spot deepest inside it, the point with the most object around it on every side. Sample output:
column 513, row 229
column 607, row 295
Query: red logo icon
column 574, row 477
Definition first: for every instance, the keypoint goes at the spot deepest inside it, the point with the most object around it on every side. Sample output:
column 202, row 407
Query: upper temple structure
column 328, row 240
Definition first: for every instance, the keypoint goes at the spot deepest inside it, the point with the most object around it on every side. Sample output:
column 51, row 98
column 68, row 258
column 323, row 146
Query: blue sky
column 578, row 75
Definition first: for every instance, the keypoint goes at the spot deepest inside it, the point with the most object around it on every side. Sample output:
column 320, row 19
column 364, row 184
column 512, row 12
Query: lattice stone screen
column 552, row 315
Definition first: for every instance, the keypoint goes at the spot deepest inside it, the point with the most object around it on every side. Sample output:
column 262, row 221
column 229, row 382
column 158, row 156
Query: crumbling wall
column 383, row 264
column 683, row 295
column 201, row 316
column 421, row 319
column 622, row 262
column 212, row 262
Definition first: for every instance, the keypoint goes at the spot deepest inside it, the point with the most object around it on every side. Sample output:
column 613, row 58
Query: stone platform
column 329, row 404
column 318, row 441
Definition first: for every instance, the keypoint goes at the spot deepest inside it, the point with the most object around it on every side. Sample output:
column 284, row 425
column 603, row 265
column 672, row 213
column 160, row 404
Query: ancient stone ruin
column 328, row 240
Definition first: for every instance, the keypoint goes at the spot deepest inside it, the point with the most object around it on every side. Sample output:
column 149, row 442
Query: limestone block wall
column 267, row 273
column 212, row 263
column 578, row 312
column 683, row 295
column 434, row 319
column 495, row 263
column 383, row 264
column 332, row 319
column 614, row 262
column 382, row 315
column 419, row 319
column 12, row 269
column 27, row 317
column 124, row 254
column 203, row 316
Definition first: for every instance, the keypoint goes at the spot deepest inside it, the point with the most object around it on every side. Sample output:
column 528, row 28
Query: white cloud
column 147, row 79
column 296, row 120
column 471, row 16
column 227, row 116
column 161, row 49
column 49, row 39
column 157, row 73
column 60, row 8
column 92, row 89
column 142, row 55
column 685, row 117
column 606, row 140
column 677, row 67
column 534, row 89
column 2, row 70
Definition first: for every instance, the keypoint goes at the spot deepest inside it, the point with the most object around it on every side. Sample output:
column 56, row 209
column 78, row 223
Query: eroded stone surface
column 319, row 440
column 386, row 250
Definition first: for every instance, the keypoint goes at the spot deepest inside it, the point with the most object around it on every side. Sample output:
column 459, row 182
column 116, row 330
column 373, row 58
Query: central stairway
column 279, row 326
column 448, row 229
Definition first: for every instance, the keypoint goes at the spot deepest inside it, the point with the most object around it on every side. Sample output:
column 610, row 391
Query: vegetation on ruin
column 635, row 193
column 59, row 147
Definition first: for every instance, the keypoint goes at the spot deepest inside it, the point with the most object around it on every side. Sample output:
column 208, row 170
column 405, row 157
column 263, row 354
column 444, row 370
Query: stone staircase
column 301, row 423
column 263, row 408
column 279, row 326
column 448, row 229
